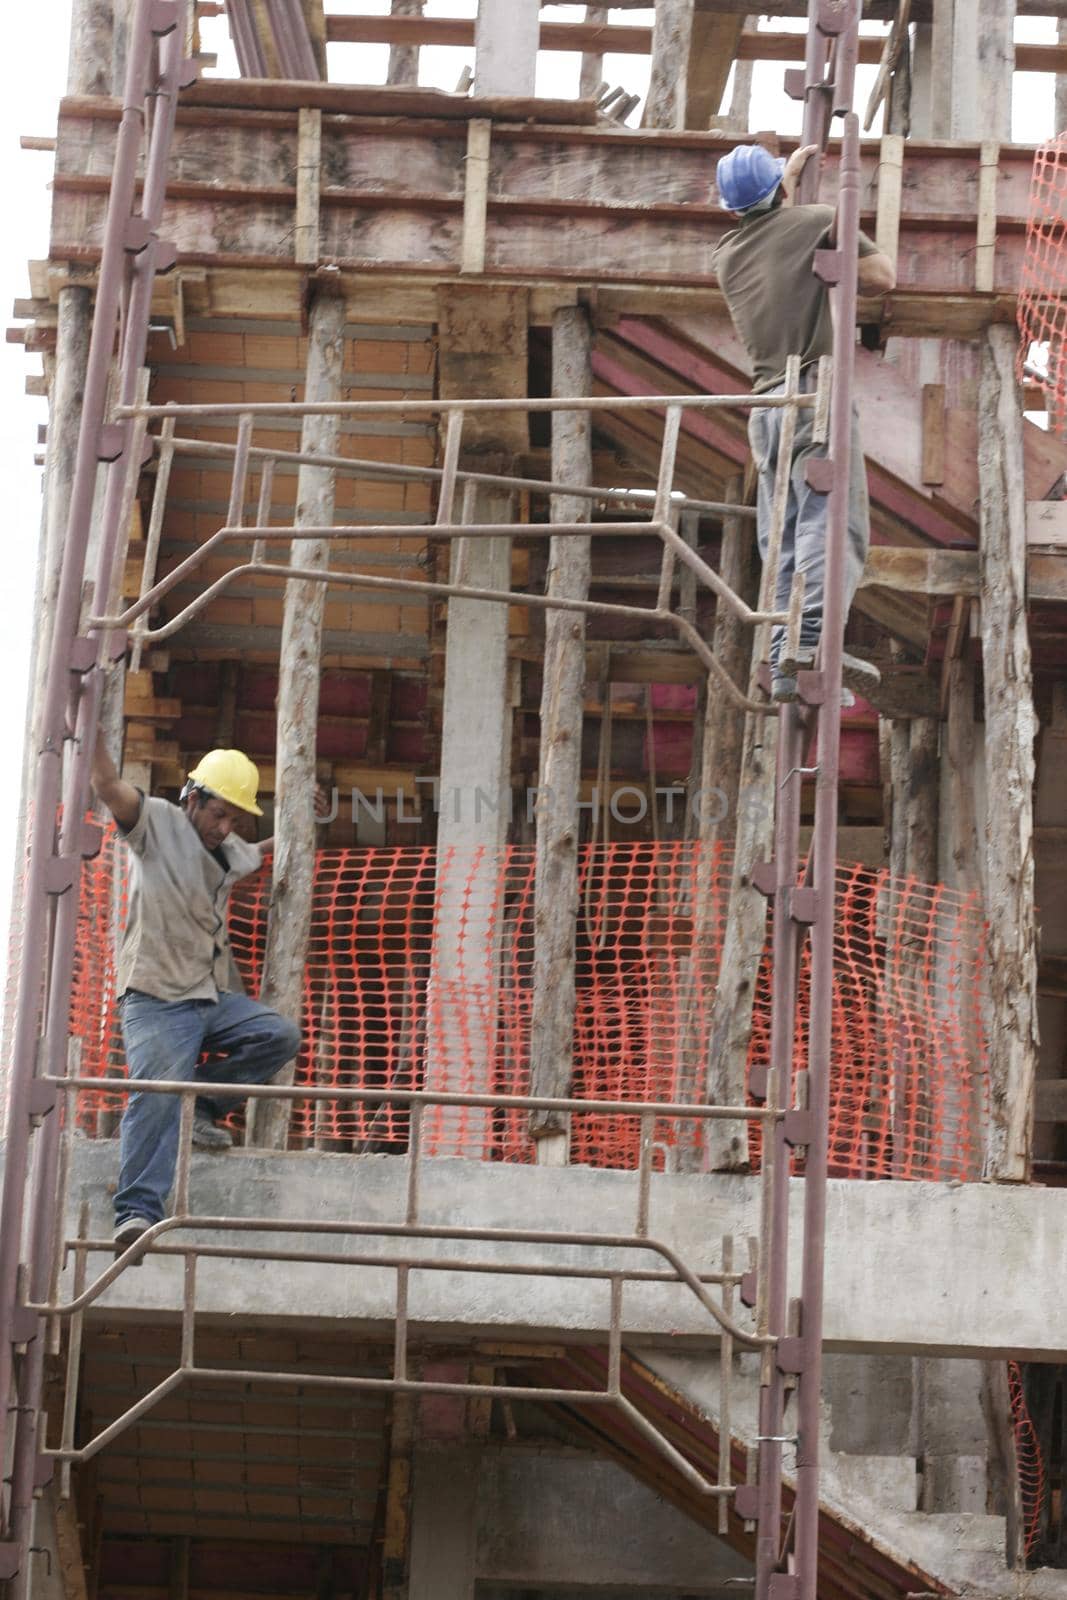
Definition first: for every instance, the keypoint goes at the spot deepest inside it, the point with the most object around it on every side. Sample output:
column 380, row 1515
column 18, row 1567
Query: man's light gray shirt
column 176, row 945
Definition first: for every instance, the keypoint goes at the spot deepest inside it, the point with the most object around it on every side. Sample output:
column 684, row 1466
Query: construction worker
column 180, row 993
column 780, row 308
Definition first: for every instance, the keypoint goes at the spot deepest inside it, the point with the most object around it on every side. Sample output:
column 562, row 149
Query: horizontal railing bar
column 427, row 1097
column 349, row 408
column 405, row 1230
column 336, row 1258
column 502, row 1391
column 362, row 467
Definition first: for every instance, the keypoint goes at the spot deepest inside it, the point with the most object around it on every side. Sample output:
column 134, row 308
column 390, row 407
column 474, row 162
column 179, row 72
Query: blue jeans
column 804, row 532
column 165, row 1039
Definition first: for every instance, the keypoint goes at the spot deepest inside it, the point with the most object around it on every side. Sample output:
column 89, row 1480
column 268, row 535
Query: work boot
column 784, row 690
column 862, row 676
column 128, row 1232
column 207, row 1135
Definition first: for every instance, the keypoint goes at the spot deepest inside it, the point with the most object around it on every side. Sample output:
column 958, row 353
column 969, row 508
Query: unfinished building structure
column 666, row 1197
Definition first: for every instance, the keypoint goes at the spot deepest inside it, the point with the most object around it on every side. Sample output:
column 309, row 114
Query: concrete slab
column 934, row 1269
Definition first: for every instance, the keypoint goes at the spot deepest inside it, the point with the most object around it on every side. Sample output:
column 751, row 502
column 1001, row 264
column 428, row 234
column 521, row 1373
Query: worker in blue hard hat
column 179, row 990
column 780, row 308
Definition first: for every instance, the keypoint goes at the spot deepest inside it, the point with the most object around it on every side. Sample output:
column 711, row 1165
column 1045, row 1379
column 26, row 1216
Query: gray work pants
column 804, row 533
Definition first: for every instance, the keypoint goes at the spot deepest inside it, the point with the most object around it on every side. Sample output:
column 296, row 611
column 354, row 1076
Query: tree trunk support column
column 559, row 777
column 298, row 708
column 1010, row 729
column 404, row 58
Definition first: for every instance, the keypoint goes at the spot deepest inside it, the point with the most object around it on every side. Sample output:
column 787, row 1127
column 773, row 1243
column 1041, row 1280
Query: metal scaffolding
column 33, row 1247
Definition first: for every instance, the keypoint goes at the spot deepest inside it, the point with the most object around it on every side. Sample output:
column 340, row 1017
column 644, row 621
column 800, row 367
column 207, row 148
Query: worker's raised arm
column 876, row 274
column 120, row 797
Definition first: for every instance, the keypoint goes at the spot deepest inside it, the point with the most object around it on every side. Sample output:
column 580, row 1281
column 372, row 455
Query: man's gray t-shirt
column 176, row 945
column 779, row 307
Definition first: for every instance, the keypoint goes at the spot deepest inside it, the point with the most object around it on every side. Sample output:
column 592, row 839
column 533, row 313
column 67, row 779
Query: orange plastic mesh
column 909, row 1087
column 1028, row 1460
column 1043, row 284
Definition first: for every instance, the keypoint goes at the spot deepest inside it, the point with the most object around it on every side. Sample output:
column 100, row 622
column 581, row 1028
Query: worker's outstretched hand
column 795, row 166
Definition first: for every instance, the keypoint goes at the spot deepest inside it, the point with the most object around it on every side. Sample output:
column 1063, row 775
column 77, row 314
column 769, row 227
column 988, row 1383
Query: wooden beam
column 308, row 186
column 933, row 430
column 1011, row 727
column 986, row 240
column 475, row 194
column 713, row 45
column 890, row 187
column 559, row 768
column 89, row 67
column 298, row 702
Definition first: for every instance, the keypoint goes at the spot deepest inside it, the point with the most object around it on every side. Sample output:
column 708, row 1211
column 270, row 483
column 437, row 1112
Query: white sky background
column 28, row 106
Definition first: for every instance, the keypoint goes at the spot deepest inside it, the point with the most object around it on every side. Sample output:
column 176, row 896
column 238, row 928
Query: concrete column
column 483, row 353
column 474, row 799
column 443, row 1523
column 505, row 44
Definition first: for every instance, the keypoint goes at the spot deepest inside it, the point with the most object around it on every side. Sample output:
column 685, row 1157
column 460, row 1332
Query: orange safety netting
column 385, row 1006
column 1042, row 310
column 1028, row 1460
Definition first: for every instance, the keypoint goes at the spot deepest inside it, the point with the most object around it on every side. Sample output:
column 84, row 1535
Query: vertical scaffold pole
column 823, row 873
column 130, row 256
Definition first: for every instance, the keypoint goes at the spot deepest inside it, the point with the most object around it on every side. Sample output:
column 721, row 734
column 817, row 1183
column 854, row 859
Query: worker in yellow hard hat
column 180, row 993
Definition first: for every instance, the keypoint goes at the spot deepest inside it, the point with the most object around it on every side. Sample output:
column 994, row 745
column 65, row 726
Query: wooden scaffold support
column 560, row 774
column 298, row 704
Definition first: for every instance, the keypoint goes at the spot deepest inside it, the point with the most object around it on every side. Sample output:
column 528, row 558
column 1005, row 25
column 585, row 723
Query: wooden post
column 404, row 58
column 1010, row 729
column 961, row 866
column 721, row 755
column 940, row 78
column 741, row 98
column 92, row 27
column 983, row 62
column 742, row 951
column 308, row 186
column 921, row 799
column 712, row 48
column 1003, row 1465
column 672, row 37
column 592, row 69
column 298, row 708
column 1061, row 81
column 560, row 765
column 506, row 36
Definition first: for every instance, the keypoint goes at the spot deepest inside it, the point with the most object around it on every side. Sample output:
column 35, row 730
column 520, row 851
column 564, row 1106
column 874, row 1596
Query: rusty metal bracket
column 82, row 655
column 166, row 260
column 746, row 1501
column 138, row 235
column 791, row 1356
column 803, row 904
column 797, row 1128
column 764, row 878
column 163, row 17
column 24, row 1325
column 60, row 874
column 827, row 266
column 42, row 1098
column 819, row 474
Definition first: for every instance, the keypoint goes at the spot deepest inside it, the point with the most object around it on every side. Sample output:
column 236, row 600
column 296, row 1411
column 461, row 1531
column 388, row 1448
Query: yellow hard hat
column 230, row 775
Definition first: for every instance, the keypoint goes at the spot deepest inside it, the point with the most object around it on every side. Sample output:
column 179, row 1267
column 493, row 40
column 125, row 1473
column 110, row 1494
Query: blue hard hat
column 746, row 176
